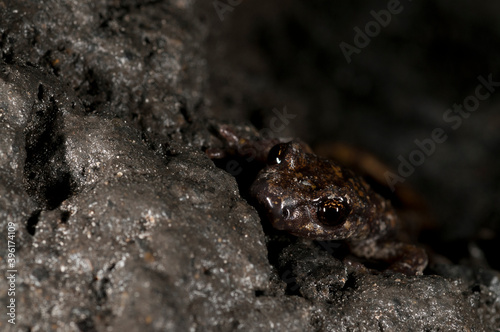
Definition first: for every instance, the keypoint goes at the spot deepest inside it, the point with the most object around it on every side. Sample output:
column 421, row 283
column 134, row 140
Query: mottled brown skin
column 315, row 198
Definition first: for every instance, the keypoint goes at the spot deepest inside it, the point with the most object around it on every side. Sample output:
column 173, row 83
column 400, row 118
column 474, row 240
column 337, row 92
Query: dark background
column 266, row 55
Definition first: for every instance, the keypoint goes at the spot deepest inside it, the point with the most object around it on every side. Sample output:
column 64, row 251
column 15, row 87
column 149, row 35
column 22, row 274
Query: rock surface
column 123, row 223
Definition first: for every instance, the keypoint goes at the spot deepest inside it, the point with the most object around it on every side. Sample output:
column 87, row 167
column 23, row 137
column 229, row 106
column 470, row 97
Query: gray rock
column 123, row 223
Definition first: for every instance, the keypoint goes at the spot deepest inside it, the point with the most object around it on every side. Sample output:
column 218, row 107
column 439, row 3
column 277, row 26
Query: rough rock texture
column 124, row 224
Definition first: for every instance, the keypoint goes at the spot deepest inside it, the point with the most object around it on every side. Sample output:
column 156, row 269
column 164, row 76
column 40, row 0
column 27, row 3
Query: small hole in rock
column 32, row 222
column 40, row 92
column 86, row 325
column 65, row 216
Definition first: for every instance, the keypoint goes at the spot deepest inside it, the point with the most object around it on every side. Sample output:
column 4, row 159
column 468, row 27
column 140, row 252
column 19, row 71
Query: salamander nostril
column 286, row 213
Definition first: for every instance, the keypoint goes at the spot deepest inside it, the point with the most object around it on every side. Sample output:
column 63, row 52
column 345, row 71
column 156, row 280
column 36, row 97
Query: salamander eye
column 276, row 153
column 333, row 212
